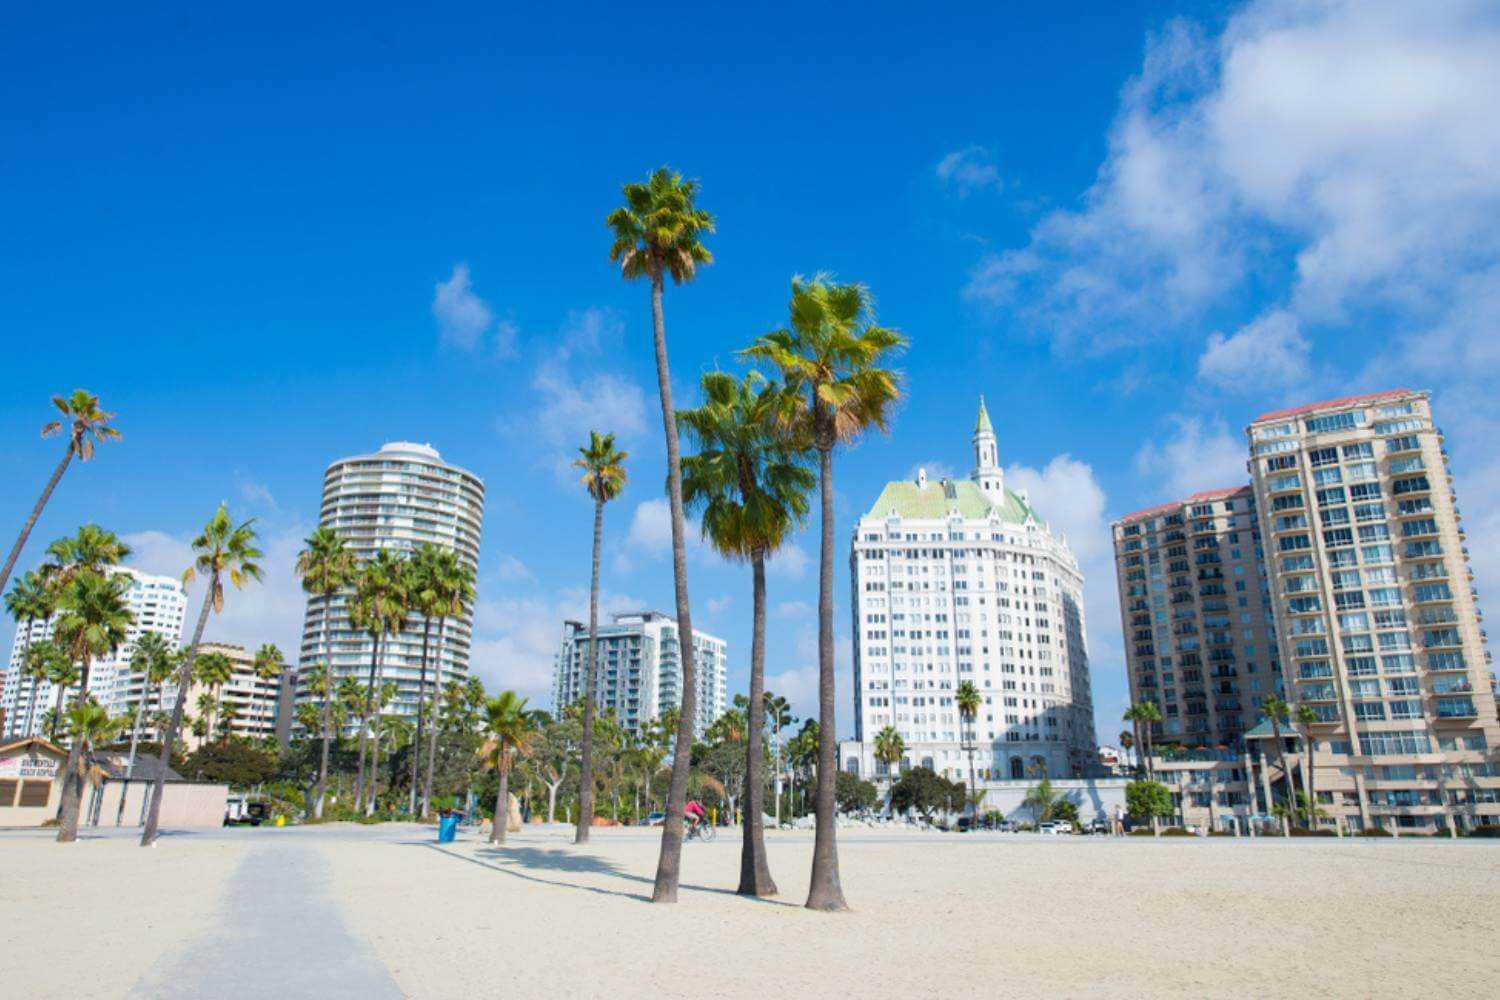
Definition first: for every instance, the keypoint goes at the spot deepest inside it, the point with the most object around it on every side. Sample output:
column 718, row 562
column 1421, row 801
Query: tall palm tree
column 968, row 701
column 889, row 749
column 89, row 725
column 1305, row 718
column 779, row 715
column 87, row 425
column 751, row 484
column 657, row 234
column 223, row 550
column 152, row 659
column 378, row 609
column 62, row 673
column 831, row 355
column 269, row 663
column 1276, row 710
column 1127, row 740
column 326, row 566
column 90, row 549
column 93, row 620
column 604, row 477
column 37, row 665
column 510, row 729
column 1143, row 715
column 30, row 601
column 448, row 590
column 213, row 671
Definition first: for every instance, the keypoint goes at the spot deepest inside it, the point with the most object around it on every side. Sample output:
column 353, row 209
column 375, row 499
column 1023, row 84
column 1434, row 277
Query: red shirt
column 693, row 809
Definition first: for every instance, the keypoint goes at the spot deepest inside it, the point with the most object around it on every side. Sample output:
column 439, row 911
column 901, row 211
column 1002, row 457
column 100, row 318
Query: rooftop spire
column 983, row 424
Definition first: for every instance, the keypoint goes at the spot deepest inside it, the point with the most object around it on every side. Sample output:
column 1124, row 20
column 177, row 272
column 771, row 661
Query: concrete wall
column 183, row 804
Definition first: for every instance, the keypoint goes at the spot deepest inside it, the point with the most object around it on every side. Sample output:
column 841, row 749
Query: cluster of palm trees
column 384, row 595
column 764, row 442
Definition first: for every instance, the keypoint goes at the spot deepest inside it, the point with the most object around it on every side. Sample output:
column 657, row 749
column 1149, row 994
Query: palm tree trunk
column 184, row 681
column 590, row 667
column 36, row 512
column 327, row 706
column 432, row 738
column 755, row 872
column 135, row 733
column 502, row 803
column 77, row 767
column 31, row 706
column 364, row 724
column 1312, row 795
column 669, row 864
column 373, row 788
column 825, row 891
column 416, row 740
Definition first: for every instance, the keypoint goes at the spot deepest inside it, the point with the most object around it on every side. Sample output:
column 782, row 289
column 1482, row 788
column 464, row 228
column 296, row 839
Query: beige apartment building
column 252, row 698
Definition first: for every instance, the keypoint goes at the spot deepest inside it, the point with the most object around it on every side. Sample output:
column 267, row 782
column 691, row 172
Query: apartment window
column 1360, row 449
column 1280, row 462
column 1323, row 456
column 1334, row 422
column 1327, row 477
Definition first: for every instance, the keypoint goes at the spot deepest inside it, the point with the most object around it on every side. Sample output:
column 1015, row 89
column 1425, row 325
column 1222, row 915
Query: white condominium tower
column 398, row 498
column 1377, row 617
column 158, row 604
column 959, row 580
column 640, row 669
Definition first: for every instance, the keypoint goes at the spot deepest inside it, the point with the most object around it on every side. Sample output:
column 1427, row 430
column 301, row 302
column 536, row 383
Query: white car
column 1059, row 826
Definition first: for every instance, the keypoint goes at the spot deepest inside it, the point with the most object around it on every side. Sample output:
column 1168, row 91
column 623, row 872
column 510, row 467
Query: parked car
column 1057, row 826
column 239, row 811
column 654, row 819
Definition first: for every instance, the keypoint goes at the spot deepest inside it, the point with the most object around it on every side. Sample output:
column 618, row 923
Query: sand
column 933, row 915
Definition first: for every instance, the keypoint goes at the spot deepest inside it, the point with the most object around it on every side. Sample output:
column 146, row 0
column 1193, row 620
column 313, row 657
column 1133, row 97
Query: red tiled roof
column 1199, row 497
column 1331, row 403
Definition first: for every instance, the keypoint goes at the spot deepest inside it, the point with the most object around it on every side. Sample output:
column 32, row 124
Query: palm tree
column 968, row 701
column 448, row 588
column 751, row 485
column 658, row 234
column 831, row 355
column 510, row 728
column 213, row 671
column 1127, row 740
column 62, row 673
column 1042, row 799
column 89, row 725
column 153, row 660
column 1305, row 718
column 779, row 715
column 1276, row 710
column 604, row 477
column 889, row 749
column 269, row 663
column 31, row 600
column 87, row 425
column 379, row 609
column 93, row 620
column 90, row 549
column 37, row 665
column 1143, row 715
column 224, row 549
column 326, row 567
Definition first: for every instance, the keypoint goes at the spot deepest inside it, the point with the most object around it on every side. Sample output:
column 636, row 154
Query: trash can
column 447, row 827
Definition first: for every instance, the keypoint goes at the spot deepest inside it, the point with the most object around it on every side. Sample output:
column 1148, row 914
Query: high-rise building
column 158, row 604
column 398, row 498
column 961, row 580
column 1200, row 637
column 640, row 669
column 1378, row 620
column 247, row 701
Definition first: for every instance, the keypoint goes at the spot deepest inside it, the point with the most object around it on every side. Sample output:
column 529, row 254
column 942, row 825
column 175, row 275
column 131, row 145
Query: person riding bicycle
column 694, row 814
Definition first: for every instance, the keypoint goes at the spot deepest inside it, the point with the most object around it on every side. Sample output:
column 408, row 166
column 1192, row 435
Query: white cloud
column 718, row 605
column 462, row 316
column 258, row 494
column 587, row 331
column 651, row 527
column 1197, row 455
column 799, row 683
column 792, row 609
column 571, row 404
column 935, row 471
column 511, row 568
column 790, row 562
column 969, row 170
column 1270, row 352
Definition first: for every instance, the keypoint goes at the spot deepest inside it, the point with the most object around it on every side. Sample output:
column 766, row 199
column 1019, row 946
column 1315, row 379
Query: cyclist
column 694, row 814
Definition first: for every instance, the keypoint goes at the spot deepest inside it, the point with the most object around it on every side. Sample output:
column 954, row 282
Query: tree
column 750, row 483
column 1066, row 810
column 927, row 792
column 153, row 660
column 968, row 701
column 854, row 794
column 553, row 755
column 1276, row 710
column 213, row 671
column 1127, row 740
column 30, row 601
column 326, row 567
column 93, row 620
column 889, row 749
column 236, row 763
column 87, row 425
column 1148, row 800
column 510, row 728
column 61, row 672
column 223, row 550
column 779, row 715
column 658, row 234
column 89, row 725
column 831, row 356
column 1142, row 716
column 450, row 589
column 38, row 664
column 1305, row 718
column 604, row 477
column 378, row 609
column 1042, row 799
column 269, row 663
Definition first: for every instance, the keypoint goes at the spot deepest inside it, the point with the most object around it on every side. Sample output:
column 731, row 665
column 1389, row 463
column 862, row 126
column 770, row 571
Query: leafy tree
column 1277, row 710
column 212, row 670
column 1066, row 810
column 89, row 725
column 87, row 424
column 1042, row 799
column 326, row 567
column 154, row 660
column 1142, row 716
column 927, row 792
column 854, row 794
column 657, row 234
column 1148, row 800
column 236, row 763
column 831, row 356
column 223, row 549
column 779, row 715
column 44, row 661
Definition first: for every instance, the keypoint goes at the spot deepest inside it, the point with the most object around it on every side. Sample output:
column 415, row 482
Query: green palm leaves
column 603, row 467
column 225, row 549
column 87, row 423
column 889, row 747
column 659, row 229
column 510, row 728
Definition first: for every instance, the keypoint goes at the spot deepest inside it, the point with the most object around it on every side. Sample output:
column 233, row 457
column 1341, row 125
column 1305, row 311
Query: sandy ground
column 933, row 915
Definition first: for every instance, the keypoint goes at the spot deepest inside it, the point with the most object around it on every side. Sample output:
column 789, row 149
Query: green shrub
column 1176, row 831
column 1375, row 831
column 1141, row 831
column 1488, row 830
column 1220, row 833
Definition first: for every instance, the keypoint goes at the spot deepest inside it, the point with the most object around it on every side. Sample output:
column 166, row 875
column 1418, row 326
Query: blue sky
column 271, row 239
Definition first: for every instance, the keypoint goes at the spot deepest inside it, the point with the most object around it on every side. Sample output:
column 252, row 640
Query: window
column 34, row 794
column 8, row 789
column 1334, row 422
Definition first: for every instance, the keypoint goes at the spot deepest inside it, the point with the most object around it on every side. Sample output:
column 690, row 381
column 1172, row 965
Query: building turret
column 987, row 472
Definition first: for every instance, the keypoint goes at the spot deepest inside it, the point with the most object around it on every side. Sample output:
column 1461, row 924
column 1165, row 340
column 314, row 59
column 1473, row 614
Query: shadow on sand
column 524, row 862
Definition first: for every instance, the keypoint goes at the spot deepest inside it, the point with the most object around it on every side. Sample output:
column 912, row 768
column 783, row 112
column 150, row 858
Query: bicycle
column 704, row 831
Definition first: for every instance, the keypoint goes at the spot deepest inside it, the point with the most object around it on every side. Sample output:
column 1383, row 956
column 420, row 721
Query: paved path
column 276, row 933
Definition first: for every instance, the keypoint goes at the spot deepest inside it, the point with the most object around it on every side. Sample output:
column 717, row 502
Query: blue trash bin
column 447, row 828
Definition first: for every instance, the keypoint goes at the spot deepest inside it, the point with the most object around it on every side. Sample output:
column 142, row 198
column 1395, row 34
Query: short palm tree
column 37, row 665
column 378, row 609
column 93, row 620
column 1127, row 740
column 1277, row 710
column 444, row 588
column 509, row 728
column 751, row 484
column 1042, row 799
column 152, row 659
column 213, row 670
column 62, row 673
column 269, row 664
column 326, row 567
column 1143, row 715
column 1305, row 718
column 889, row 749
column 89, row 549
column 87, row 425
column 832, row 356
column 604, row 477
column 968, row 700
column 658, row 234
column 88, row 726
column 30, row 601
column 223, row 551
column 779, row 715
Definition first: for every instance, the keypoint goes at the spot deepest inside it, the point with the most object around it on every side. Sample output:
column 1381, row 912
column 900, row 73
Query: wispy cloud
column 968, row 170
column 466, row 321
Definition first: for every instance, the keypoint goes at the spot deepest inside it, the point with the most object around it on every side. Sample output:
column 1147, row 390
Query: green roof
column 938, row 499
column 983, row 423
